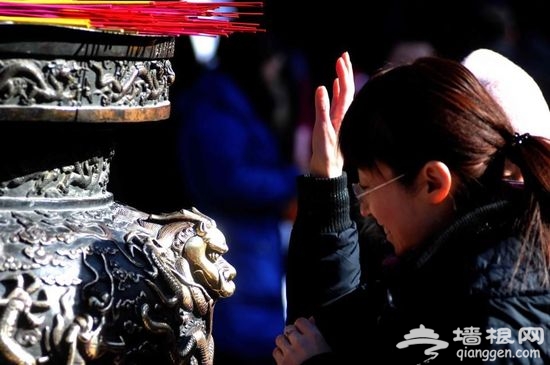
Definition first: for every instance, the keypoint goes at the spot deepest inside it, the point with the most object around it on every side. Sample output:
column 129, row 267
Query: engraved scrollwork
column 128, row 288
column 109, row 285
column 74, row 83
column 26, row 82
column 90, row 176
column 84, row 279
column 187, row 249
column 124, row 83
column 22, row 303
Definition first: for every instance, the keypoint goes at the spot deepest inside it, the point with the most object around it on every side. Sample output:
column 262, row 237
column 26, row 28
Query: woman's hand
column 299, row 342
column 326, row 159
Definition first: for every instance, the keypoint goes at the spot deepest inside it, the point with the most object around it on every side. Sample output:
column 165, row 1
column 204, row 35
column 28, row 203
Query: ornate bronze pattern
column 110, row 284
column 55, row 74
column 85, row 279
column 75, row 89
column 88, row 178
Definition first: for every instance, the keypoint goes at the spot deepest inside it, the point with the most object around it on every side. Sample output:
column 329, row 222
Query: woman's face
column 406, row 214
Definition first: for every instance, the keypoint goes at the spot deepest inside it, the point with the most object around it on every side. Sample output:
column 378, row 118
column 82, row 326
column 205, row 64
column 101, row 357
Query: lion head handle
column 197, row 245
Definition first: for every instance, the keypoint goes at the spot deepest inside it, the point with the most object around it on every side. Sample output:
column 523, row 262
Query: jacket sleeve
column 323, row 256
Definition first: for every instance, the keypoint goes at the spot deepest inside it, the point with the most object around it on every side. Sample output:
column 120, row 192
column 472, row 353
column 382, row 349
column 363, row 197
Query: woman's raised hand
column 326, row 159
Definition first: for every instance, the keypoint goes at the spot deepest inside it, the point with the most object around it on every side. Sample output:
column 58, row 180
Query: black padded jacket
column 460, row 299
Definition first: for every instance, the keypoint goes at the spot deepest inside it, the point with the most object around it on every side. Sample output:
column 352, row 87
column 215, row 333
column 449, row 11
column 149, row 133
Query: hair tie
column 519, row 139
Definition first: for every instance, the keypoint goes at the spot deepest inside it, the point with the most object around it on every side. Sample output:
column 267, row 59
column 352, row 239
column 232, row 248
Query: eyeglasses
column 360, row 192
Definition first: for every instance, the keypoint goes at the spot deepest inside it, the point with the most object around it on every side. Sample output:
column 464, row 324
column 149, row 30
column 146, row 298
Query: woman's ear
column 438, row 181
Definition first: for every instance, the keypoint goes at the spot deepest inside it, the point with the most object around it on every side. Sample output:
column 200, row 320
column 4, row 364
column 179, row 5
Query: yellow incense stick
column 48, row 21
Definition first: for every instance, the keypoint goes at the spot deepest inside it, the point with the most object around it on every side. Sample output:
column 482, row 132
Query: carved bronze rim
column 85, row 114
column 50, row 73
column 11, row 203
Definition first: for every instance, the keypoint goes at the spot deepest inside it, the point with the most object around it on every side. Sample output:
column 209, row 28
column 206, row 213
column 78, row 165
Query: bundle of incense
column 171, row 18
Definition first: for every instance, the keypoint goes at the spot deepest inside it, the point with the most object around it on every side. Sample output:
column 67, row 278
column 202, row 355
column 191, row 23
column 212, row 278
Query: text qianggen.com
column 492, row 355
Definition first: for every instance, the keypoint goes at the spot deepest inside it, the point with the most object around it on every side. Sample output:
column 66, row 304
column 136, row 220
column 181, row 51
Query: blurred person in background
column 234, row 125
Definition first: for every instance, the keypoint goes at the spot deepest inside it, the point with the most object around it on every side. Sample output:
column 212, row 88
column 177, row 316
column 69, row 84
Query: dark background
column 144, row 173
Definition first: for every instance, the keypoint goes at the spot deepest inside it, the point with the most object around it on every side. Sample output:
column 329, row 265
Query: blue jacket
column 234, row 173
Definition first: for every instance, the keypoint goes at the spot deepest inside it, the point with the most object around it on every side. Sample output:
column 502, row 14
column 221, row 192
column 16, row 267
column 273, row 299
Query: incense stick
column 172, row 18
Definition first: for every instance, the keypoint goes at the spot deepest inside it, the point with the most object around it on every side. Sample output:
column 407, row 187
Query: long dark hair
column 436, row 109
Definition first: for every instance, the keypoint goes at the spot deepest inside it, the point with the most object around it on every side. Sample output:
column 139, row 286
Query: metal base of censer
column 85, row 279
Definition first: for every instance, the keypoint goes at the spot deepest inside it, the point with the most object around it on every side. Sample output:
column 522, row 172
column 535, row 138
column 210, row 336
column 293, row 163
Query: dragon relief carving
column 35, row 82
column 23, row 303
column 62, row 82
column 89, row 175
column 146, row 284
column 132, row 84
column 188, row 249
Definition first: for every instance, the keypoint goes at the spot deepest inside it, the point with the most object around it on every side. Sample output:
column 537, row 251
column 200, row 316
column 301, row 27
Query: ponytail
column 532, row 156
